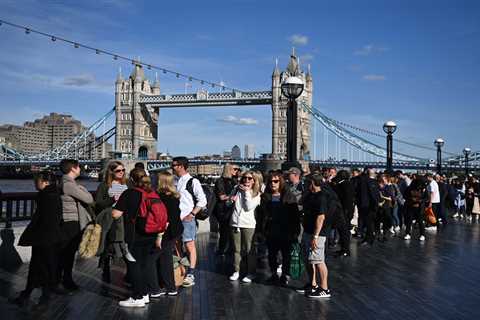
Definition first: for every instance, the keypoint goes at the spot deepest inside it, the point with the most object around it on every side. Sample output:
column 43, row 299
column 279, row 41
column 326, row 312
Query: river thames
column 26, row 185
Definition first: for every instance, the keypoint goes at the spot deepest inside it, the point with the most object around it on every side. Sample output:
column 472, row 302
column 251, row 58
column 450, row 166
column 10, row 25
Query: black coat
column 45, row 227
column 175, row 226
column 223, row 186
column 282, row 221
column 346, row 194
column 367, row 193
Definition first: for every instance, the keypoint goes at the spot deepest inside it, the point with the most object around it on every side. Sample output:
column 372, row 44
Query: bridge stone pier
column 138, row 103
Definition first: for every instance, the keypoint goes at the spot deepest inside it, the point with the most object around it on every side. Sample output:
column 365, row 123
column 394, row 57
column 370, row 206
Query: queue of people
column 146, row 219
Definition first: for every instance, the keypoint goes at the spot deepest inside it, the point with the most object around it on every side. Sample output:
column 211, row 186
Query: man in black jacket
column 368, row 198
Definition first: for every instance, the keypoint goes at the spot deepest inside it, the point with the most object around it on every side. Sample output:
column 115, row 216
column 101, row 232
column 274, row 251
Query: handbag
column 90, row 243
column 296, row 263
column 179, row 263
column 476, row 205
column 430, row 216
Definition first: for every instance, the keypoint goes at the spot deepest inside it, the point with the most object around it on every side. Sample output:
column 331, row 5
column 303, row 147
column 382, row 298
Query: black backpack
column 211, row 200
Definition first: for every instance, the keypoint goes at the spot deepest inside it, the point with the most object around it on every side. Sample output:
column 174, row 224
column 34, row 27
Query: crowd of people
column 276, row 210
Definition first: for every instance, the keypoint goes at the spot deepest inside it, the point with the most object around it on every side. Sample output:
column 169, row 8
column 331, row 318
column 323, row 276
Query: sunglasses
column 247, row 178
column 275, row 181
column 119, row 170
column 236, row 169
column 175, row 165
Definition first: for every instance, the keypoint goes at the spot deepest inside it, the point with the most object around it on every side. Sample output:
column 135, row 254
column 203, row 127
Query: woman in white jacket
column 245, row 198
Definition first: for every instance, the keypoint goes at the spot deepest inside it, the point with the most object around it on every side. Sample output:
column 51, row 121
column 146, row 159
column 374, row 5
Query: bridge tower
column 279, row 110
column 136, row 124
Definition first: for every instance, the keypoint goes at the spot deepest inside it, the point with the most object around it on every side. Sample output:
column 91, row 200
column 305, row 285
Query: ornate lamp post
column 389, row 128
column 439, row 144
column 292, row 88
column 466, row 152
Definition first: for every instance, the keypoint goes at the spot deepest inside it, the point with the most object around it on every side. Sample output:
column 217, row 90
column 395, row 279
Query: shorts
column 189, row 231
column 313, row 256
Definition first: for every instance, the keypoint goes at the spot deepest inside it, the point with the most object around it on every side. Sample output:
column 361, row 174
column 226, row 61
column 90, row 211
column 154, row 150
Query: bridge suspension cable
column 117, row 56
column 355, row 140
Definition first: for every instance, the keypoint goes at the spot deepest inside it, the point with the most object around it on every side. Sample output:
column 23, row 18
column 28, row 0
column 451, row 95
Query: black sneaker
column 320, row 293
column 172, row 293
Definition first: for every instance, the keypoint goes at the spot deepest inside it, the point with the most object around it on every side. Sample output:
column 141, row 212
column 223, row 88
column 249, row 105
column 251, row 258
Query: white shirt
column 186, row 200
column 243, row 215
column 434, row 191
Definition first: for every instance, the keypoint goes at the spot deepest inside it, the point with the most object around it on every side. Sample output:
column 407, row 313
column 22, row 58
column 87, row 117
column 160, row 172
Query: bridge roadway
column 164, row 164
column 437, row 279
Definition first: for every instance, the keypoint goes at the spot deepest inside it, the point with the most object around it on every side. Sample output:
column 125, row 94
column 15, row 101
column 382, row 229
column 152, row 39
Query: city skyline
column 406, row 61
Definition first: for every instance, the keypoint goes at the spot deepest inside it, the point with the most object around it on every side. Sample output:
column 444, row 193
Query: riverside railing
column 16, row 206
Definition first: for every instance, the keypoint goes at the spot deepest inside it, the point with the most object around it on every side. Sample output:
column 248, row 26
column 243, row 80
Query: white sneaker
column 407, row 237
column 132, row 303
column 422, row 238
column 392, row 231
column 397, row 229
column 188, row 281
column 235, row 276
column 146, row 299
column 246, row 280
column 279, row 269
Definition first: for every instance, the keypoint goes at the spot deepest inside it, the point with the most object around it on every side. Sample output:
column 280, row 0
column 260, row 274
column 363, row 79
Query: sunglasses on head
column 119, row 170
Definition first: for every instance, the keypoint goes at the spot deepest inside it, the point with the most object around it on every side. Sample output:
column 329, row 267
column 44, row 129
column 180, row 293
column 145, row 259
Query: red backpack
column 152, row 214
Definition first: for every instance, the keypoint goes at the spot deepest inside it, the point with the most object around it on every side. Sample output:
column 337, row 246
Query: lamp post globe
column 389, row 127
column 467, row 151
column 292, row 88
column 439, row 142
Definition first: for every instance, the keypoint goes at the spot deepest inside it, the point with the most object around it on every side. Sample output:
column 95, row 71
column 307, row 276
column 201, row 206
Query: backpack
column 92, row 235
column 152, row 215
column 211, row 200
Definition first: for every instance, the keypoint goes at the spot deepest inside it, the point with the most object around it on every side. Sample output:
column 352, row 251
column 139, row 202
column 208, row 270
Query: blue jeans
column 395, row 217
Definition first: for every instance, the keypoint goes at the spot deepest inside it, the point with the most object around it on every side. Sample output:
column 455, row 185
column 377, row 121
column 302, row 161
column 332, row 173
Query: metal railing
column 17, row 206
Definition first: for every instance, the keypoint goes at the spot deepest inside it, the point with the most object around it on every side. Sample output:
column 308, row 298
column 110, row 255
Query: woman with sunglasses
column 245, row 198
column 108, row 192
column 281, row 225
column 223, row 209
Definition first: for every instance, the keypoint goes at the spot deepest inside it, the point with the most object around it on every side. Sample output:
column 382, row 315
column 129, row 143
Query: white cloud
column 369, row 49
column 298, row 39
column 307, row 57
column 239, row 121
column 374, row 77
column 79, row 81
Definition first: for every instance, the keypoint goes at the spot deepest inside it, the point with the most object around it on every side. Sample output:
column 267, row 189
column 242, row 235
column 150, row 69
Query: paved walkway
column 438, row 279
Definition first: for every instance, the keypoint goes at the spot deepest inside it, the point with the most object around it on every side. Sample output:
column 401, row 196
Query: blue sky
column 417, row 62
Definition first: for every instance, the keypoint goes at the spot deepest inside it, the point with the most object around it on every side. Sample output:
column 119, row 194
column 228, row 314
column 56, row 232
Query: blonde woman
column 171, row 198
column 245, row 198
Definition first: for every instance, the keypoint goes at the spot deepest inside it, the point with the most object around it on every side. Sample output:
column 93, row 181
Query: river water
column 26, row 185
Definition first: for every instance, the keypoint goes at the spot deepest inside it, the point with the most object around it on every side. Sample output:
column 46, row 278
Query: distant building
column 249, row 151
column 236, row 153
column 41, row 135
column 227, row 154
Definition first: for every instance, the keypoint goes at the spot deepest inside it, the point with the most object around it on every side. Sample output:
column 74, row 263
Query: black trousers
column 165, row 270
column 412, row 213
column 225, row 244
column 284, row 246
column 342, row 226
column 143, row 271
column 42, row 271
column 383, row 217
column 368, row 215
column 68, row 251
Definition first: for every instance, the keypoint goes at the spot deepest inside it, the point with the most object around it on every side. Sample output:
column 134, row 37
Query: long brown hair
column 281, row 187
column 140, row 179
column 166, row 185
column 110, row 173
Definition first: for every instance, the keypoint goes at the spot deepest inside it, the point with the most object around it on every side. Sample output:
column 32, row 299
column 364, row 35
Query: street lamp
column 389, row 128
column 292, row 88
column 439, row 144
column 466, row 152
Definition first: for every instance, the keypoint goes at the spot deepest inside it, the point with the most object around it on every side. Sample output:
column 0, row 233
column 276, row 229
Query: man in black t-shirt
column 316, row 226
